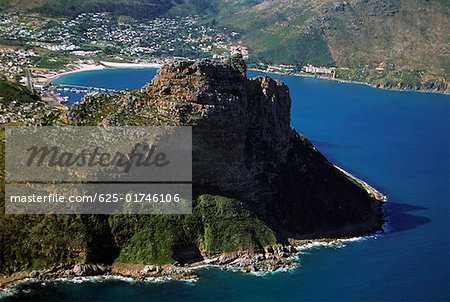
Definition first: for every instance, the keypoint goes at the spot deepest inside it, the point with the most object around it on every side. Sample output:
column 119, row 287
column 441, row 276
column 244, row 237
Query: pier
column 52, row 92
column 80, row 88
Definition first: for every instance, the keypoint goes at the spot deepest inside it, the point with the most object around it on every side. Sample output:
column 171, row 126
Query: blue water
column 119, row 79
column 396, row 141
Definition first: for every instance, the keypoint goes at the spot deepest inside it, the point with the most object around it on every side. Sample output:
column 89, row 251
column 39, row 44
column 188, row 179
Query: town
column 34, row 48
column 39, row 42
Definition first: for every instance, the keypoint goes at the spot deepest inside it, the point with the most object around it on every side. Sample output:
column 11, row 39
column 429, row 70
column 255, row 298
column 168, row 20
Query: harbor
column 57, row 94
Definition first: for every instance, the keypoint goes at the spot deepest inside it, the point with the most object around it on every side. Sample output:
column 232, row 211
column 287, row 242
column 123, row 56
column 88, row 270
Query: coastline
column 170, row 272
column 7, row 280
column 130, row 65
column 280, row 258
column 348, row 82
column 103, row 65
column 272, row 259
column 240, row 260
column 77, row 69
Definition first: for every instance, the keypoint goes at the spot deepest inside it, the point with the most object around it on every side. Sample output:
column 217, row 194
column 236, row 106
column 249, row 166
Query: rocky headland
column 259, row 186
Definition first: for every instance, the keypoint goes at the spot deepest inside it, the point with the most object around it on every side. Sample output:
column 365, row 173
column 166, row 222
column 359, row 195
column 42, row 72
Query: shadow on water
column 324, row 144
column 400, row 217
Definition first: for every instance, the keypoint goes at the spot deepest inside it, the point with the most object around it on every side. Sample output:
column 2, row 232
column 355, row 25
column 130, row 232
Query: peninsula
column 260, row 188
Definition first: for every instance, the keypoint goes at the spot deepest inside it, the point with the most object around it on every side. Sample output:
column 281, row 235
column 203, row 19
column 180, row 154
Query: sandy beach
column 48, row 78
column 130, row 65
column 79, row 68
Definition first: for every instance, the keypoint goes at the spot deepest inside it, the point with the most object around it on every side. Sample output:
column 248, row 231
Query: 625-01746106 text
column 101, row 198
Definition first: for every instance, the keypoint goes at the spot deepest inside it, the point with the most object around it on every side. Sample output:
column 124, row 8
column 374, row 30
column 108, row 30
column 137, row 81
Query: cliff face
column 241, row 127
column 245, row 148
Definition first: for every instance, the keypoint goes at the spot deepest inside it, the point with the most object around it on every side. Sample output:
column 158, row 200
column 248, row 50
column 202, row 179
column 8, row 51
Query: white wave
column 118, row 278
column 8, row 292
column 274, row 272
column 337, row 244
column 15, row 288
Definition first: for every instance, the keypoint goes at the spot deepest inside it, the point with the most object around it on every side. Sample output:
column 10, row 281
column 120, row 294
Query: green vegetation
column 19, row 105
column 34, row 242
column 157, row 241
column 135, row 8
column 277, row 49
column 8, row 42
column 52, row 60
column 54, row 64
column 230, row 226
column 394, row 79
column 141, row 9
column 410, row 36
column 10, row 92
column 217, row 224
column 30, row 242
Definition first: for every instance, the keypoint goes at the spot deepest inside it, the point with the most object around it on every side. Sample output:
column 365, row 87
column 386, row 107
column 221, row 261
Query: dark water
column 396, row 141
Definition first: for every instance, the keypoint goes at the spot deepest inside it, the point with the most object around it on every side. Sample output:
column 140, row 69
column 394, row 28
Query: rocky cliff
column 257, row 183
column 245, row 148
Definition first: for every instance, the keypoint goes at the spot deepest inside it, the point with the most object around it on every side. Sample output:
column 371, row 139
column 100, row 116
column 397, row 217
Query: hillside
column 139, row 9
column 19, row 105
column 134, row 8
column 384, row 42
column 403, row 32
column 390, row 43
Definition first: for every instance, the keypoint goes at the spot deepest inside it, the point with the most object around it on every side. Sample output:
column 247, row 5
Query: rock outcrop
column 19, row 105
column 258, row 185
column 245, row 148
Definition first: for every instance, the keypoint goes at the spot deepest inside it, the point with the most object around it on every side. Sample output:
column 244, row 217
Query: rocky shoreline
column 273, row 258
column 273, row 172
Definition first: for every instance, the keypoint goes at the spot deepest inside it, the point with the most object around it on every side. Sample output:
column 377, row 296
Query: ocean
column 399, row 142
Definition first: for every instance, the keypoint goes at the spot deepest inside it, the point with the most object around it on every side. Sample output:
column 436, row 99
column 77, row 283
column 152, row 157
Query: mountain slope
column 140, row 9
column 389, row 43
column 133, row 8
column 260, row 186
column 402, row 33
column 407, row 40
